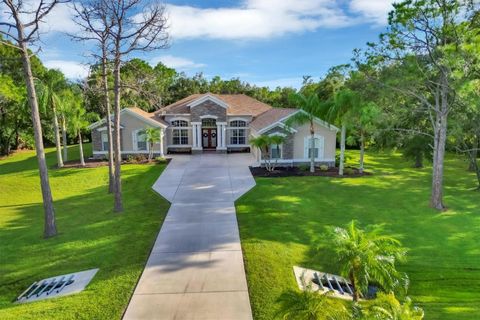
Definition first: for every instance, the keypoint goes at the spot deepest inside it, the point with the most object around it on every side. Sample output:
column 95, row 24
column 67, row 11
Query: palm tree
column 310, row 108
column 387, row 307
column 49, row 98
column 152, row 136
column 78, row 122
column 367, row 256
column 310, row 305
column 344, row 101
column 264, row 143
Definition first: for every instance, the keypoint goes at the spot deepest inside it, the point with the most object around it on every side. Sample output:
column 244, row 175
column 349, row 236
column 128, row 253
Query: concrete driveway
column 195, row 270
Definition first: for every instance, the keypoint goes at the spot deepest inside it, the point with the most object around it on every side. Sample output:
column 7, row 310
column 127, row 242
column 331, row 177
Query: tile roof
column 149, row 115
column 238, row 104
column 270, row 117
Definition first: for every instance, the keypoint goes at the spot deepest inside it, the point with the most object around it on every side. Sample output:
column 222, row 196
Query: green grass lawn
column 90, row 235
column 282, row 219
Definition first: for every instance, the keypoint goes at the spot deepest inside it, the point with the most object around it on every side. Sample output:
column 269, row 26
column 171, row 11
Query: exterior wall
column 288, row 143
column 169, row 135
column 208, row 108
column 303, row 131
column 96, row 140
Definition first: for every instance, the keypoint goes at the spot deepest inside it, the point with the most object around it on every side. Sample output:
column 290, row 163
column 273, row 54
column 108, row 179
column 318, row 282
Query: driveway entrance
column 195, row 269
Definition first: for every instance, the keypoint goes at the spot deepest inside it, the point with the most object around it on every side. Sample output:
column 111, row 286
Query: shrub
column 130, row 158
column 304, row 167
column 140, row 158
column 323, row 167
column 161, row 159
column 349, row 171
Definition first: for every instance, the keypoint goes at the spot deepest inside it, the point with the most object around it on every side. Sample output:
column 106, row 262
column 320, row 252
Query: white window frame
column 238, row 136
column 135, row 141
column 321, row 147
column 104, row 139
column 179, row 129
column 280, row 148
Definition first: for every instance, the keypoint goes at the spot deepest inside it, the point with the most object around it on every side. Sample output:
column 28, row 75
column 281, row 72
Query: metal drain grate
column 57, row 286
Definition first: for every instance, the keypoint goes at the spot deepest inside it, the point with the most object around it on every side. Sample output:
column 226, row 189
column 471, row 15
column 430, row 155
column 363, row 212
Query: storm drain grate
column 57, row 286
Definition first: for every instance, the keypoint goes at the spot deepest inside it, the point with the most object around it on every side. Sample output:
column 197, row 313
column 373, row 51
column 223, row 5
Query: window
column 209, row 123
column 276, row 151
column 238, row 123
column 140, row 140
column 238, row 136
column 180, row 136
column 318, row 147
column 105, row 141
column 179, row 123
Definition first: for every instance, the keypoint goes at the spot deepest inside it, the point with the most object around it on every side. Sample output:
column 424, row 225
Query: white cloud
column 73, row 70
column 176, row 62
column 259, row 19
column 372, row 10
column 255, row 19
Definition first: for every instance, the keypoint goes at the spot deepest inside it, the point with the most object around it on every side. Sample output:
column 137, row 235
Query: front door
column 209, row 138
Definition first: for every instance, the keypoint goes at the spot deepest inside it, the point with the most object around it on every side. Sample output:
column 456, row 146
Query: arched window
column 318, row 147
column 179, row 123
column 238, row 123
column 209, row 123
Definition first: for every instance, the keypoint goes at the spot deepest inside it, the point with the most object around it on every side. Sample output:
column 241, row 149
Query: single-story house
column 219, row 123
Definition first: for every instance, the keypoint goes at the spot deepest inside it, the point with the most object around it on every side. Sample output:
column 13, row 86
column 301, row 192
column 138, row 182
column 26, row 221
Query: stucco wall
column 130, row 124
column 304, row 131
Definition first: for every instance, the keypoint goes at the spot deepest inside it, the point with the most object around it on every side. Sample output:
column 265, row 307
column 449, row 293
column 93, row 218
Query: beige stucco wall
column 130, row 124
column 304, row 130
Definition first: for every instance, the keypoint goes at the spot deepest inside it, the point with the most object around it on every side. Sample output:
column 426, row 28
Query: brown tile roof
column 149, row 115
column 238, row 104
column 270, row 117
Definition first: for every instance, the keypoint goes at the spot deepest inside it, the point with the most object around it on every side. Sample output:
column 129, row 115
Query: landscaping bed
column 95, row 163
column 304, row 172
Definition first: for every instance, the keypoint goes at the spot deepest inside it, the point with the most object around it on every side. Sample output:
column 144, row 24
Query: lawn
column 282, row 219
column 90, row 235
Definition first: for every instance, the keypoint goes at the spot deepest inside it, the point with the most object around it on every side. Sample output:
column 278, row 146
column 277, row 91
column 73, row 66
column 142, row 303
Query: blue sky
column 265, row 42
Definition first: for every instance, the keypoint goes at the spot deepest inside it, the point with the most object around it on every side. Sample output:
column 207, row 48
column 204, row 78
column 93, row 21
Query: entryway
column 209, row 138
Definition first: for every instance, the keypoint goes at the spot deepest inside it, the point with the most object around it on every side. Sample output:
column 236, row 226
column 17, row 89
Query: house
column 219, row 123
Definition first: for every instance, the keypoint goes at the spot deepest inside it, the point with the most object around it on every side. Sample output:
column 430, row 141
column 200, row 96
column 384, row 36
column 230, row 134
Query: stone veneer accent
column 208, row 108
column 287, row 146
column 97, row 140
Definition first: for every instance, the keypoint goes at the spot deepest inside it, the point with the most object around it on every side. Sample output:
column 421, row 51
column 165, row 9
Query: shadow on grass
column 90, row 236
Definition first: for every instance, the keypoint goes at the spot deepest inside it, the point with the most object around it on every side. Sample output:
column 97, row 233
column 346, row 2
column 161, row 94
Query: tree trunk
column 312, row 147
column 64, row 139
column 472, row 164
column 362, row 152
column 436, row 200
column 356, row 294
column 111, row 170
column 419, row 159
column 342, row 149
column 50, row 228
column 80, row 144
column 58, row 146
column 118, row 206
column 150, row 152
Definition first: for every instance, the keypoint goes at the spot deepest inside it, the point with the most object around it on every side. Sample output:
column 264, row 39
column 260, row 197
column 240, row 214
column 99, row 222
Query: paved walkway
column 195, row 270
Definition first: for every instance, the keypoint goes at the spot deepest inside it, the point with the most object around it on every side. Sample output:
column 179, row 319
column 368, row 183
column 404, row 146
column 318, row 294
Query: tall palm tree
column 49, row 99
column 339, row 111
column 310, row 305
column 152, row 136
column 367, row 256
column 387, row 307
column 78, row 122
column 310, row 108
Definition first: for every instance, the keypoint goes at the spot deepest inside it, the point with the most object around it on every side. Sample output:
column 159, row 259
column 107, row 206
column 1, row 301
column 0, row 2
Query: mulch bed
column 297, row 172
column 94, row 163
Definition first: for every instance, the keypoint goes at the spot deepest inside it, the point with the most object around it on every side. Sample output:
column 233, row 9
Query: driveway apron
column 195, row 269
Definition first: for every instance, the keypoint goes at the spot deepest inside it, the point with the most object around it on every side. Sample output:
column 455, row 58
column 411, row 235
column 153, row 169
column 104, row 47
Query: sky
column 265, row 42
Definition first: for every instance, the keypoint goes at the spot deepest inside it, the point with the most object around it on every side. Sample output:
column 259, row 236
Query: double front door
column 209, row 138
